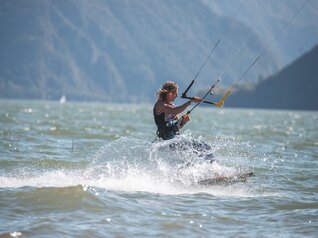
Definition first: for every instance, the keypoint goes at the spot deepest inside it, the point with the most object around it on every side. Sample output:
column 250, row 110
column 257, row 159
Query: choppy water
column 90, row 170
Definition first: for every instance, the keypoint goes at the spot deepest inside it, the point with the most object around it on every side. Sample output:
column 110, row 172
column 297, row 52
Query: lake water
column 91, row 170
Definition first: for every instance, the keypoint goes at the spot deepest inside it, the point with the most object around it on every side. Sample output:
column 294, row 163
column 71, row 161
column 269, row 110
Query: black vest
column 165, row 130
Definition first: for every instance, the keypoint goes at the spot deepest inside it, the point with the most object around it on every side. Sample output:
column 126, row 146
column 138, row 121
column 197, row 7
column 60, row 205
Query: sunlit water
column 91, row 170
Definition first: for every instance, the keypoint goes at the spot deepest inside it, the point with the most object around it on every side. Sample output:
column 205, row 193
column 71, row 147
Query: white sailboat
column 62, row 99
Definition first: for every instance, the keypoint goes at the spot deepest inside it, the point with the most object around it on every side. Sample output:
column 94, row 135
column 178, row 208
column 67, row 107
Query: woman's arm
column 168, row 109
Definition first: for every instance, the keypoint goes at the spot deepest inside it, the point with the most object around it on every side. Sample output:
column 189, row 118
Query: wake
column 177, row 166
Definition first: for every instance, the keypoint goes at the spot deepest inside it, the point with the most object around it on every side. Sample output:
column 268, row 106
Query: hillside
column 123, row 50
column 294, row 87
column 267, row 17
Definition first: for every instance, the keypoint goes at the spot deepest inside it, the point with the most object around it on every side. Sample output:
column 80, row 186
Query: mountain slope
column 294, row 87
column 266, row 18
column 118, row 50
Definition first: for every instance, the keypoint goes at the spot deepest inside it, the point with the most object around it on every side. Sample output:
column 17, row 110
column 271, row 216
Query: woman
column 166, row 113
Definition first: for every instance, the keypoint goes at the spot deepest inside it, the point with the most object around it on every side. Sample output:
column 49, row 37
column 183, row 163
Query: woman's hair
column 168, row 87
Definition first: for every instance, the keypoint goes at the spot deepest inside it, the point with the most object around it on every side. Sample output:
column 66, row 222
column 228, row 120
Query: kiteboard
column 219, row 180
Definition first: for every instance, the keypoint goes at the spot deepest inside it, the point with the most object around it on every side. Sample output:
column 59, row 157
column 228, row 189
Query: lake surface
column 91, row 170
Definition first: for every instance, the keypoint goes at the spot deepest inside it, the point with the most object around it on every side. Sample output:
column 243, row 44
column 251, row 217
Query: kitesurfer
column 168, row 124
column 166, row 113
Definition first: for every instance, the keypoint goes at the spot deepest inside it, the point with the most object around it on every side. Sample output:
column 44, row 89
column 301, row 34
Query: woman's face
column 171, row 96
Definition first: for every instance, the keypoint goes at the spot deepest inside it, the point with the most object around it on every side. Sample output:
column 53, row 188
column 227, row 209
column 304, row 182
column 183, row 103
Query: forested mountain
column 123, row 50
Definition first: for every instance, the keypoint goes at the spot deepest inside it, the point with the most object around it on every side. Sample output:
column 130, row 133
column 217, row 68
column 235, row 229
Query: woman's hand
column 185, row 119
column 196, row 99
